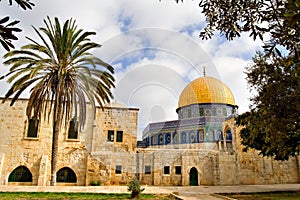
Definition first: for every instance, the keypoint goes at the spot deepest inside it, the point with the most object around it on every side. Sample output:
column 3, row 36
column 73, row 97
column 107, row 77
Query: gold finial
column 204, row 72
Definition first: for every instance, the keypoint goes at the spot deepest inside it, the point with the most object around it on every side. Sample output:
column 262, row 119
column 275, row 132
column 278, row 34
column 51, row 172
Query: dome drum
column 205, row 110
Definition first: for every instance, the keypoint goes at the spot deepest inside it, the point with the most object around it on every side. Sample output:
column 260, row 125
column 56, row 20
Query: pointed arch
column 20, row 174
column 66, row 175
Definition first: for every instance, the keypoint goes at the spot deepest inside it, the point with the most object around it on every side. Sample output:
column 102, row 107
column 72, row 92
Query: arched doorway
column 193, row 177
column 66, row 175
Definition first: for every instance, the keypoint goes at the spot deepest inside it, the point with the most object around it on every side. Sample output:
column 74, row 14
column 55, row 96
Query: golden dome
column 206, row 90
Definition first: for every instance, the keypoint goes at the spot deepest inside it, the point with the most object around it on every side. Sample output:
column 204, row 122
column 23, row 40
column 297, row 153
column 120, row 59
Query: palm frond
column 62, row 72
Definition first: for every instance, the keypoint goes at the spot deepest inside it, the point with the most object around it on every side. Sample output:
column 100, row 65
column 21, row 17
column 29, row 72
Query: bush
column 135, row 188
column 94, row 183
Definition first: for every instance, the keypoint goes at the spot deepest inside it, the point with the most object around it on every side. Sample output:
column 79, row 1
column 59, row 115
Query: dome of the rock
column 206, row 90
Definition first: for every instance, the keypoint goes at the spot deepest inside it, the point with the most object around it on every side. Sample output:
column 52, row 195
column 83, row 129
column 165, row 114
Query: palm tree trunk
column 55, row 134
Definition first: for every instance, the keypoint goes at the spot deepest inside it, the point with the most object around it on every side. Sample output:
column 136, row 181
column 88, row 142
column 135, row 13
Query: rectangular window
column 110, row 135
column 119, row 136
column 118, row 169
column 32, row 128
column 73, row 129
column 177, row 169
column 201, row 111
column 147, row 169
column 166, row 169
column 189, row 113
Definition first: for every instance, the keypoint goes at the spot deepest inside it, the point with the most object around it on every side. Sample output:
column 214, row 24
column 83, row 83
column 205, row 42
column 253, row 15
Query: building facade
column 201, row 147
column 102, row 151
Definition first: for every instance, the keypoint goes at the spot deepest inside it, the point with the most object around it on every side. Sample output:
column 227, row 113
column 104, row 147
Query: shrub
column 94, row 183
column 135, row 188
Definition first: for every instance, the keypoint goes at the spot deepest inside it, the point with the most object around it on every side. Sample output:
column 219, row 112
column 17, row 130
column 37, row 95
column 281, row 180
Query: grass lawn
column 69, row 196
column 266, row 196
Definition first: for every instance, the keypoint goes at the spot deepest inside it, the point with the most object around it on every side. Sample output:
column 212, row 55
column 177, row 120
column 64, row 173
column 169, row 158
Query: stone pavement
column 182, row 192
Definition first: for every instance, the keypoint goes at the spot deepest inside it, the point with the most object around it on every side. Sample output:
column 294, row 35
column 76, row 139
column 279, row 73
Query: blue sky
column 153, row 45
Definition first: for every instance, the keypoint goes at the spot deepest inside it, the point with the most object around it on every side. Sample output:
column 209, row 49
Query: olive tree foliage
column 8, row 28
column 272, row 125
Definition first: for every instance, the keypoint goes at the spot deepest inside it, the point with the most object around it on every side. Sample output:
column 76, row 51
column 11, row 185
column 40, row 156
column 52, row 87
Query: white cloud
column 154, row 46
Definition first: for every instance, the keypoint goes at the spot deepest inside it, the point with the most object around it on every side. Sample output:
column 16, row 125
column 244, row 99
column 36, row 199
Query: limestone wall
column 117, row 119
column 16, row 149
column 216, row 168
column 172, row 158
column 93, row 157
column 251, row 168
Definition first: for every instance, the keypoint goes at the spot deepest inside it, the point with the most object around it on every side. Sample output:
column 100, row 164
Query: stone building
column 102, row 151
column 201, row 147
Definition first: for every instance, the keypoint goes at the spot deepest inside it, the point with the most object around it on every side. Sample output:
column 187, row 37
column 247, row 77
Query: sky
column 153, row 45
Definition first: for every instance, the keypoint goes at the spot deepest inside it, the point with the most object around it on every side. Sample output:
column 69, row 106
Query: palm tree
column 63, row 77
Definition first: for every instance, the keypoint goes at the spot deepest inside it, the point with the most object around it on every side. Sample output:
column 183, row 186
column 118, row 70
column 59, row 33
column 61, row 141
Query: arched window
column 20, row 174
column 228, row 135
column 176, row 138
column 183, row 137
column 193, row 137
column 167, row 138
column 220, row 135
column 66, row 175
column 161, row 139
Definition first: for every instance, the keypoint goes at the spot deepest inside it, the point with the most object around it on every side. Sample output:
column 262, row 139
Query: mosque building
column 203, row 106
column 201, row 147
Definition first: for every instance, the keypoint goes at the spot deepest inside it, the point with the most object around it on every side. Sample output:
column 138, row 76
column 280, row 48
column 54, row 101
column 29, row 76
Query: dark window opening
column 201, row 111
column 166, row 169
column 119, row 136
column 73, row 129
column 33, row 125
column 110, row 135
column 20, row 174
column 147, row 169
column 228, row 135
column 118, row 169
column 66, row 175
column 160, row 139
column 177, row 169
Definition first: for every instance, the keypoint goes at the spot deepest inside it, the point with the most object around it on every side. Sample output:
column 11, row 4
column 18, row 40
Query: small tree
column 135, row 188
